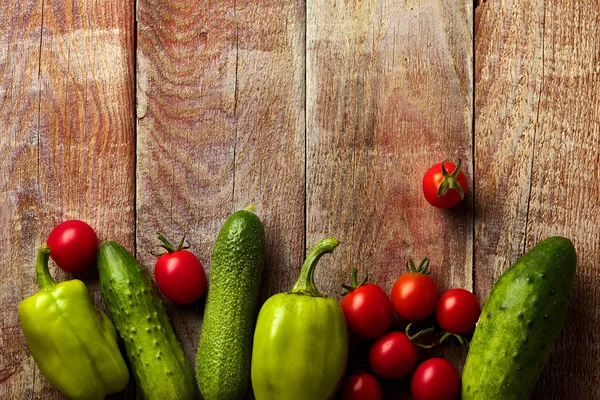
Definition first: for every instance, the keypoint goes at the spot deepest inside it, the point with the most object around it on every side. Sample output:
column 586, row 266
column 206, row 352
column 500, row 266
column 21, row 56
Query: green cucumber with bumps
column 224, row 356
column 520, row 322
column 131, row 297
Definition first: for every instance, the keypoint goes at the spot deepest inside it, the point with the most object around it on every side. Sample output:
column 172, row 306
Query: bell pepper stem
column 306, row 283
column 44, row 279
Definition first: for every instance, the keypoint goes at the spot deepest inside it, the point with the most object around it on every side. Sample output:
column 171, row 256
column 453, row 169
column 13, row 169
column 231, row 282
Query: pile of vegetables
column 298, row 346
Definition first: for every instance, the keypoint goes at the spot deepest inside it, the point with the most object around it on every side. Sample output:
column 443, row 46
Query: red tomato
column 361, row 386
column 435, row 379
column 415, row 293
column 73, row 245
column 393, row 355
column 453, row 184
column 368, row 311
column 179, row 274
column 457, row 311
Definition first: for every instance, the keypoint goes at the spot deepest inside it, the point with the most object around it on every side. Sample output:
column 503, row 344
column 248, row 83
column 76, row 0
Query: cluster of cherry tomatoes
column 394, row 354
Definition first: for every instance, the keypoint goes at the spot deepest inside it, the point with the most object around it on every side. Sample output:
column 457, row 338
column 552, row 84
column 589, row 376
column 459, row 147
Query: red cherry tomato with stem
column 361, row 386
column 393, row 355
column 367, row 308
column 179, row 274
column 457, row 311
column 73, row 245
column 435, row 379
column 415, row 293
column 444, row 184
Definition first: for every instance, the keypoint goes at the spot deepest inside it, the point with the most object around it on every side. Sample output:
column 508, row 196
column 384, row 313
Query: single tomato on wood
column 361, row 386
column 444, row 185
column 393, row 355
column 415, row 293
column 367, row 308
column 435, row 379
column 73, row 245
column 179, row 274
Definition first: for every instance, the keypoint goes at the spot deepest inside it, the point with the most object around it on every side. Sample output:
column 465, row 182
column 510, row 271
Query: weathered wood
column 67, row 138
column 220, row 126
column 537, row 138
column 20, row 197
column 389, row 94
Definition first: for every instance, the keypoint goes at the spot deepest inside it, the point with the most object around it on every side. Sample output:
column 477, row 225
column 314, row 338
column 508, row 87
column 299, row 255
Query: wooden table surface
column 168, row 115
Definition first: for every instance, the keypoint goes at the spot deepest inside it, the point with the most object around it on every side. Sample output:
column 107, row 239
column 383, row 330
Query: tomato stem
column 463, row 342
column 417, row 335
column 450, row 182
column 42, row 272
column 305, row 283
column 354, row 284
column 169, row 247
column 423, row 267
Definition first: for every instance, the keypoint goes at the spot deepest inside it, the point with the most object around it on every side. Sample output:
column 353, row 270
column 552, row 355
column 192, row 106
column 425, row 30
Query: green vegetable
column 224, row 349
column 301, row 341
column 73, row 343
column 520, row 321
column 159, row 365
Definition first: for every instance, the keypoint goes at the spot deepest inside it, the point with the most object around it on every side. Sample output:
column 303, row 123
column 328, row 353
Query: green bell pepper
column 301, row 340
column 73, row 343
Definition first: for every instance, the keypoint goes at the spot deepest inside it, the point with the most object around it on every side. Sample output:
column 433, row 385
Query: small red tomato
column 361, row 386
column 179, row 274
column 73, row 245
column 444, row 185
column 393, row 355
column 457, row 311
column 435, row 379
column 367, row 309
column 415, row 293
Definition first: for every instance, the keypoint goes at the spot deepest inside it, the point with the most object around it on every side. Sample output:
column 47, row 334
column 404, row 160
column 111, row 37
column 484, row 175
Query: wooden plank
column 537, row 127
column 67, row 110
column 270, row 131
column 20, row 197
column 389, row 93
column 221, row 125
column 565, row 196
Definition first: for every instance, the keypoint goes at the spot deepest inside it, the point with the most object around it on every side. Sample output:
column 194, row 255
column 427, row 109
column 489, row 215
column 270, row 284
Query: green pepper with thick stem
column 73, row 343
column 301, row 340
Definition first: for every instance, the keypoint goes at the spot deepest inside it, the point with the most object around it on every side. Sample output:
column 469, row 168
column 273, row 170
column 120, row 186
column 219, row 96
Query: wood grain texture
column 20, row 197
column 389, row 94
column 221, row 126
column 67, row 136
column 537, row 124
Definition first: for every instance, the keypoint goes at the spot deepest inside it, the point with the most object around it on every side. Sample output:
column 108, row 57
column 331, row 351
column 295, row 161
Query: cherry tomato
column 73, row 245
column 444, row 185
column 435, row 379
column 415, row 293
column 457, row 311
column 367, row 309
column 179, row 274
column 361, row 386
column 393, row 355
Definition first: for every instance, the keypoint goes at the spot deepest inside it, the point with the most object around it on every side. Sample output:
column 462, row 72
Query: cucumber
column 225, row 347
column 520, row 321
column 159, row 365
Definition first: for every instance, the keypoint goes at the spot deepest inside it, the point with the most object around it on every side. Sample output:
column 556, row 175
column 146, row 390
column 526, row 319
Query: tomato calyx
column 354, row 284
column 422, row 268
column 416, row 336
column 450, row 182
column 459, row 338
column 169, row 247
